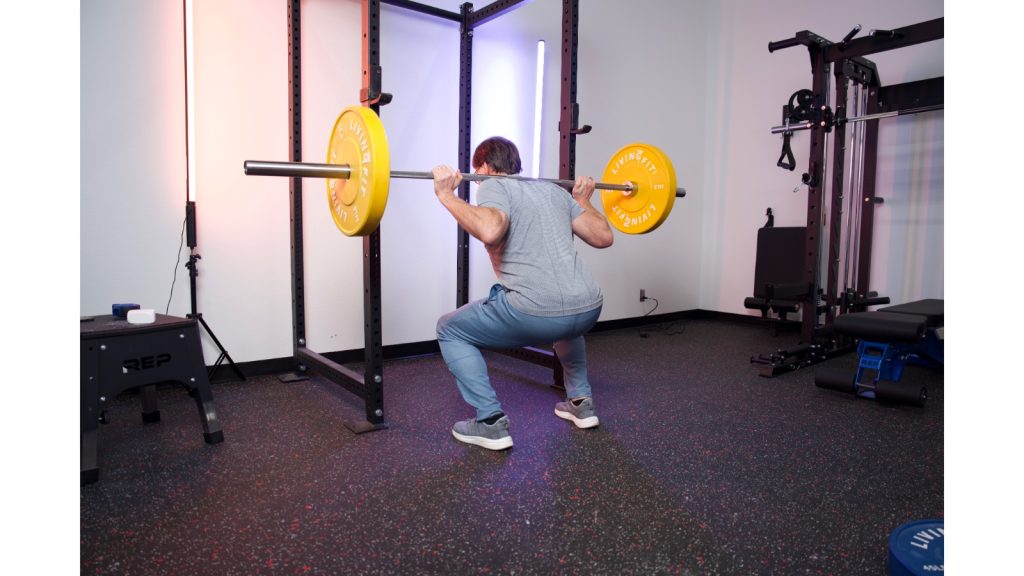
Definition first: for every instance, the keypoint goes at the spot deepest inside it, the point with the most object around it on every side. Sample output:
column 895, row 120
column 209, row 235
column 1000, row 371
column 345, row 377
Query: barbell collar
column 343, row 171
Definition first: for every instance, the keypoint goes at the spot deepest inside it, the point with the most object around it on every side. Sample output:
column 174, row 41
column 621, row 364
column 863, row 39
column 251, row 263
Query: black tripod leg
column 223, row 353
column 193, row 272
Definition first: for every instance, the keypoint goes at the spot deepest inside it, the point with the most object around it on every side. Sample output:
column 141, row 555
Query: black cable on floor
column 648, row 313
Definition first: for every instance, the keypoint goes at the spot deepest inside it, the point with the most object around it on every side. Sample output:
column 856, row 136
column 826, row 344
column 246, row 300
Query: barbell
column 358, row 173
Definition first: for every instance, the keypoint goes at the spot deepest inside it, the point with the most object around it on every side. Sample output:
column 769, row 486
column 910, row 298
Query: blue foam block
column 121, row 310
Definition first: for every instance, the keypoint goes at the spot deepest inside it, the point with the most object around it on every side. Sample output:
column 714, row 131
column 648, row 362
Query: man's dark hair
column 500, row 153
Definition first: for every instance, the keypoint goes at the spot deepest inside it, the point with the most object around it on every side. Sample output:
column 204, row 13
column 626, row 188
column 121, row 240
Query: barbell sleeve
column 297, row 169
column 342, row 171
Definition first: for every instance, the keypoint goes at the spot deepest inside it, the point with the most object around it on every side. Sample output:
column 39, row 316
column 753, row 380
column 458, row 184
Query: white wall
column 132, row 155
column 241, row 113
column 691, row 77
column 641, row 68
column 420, row 61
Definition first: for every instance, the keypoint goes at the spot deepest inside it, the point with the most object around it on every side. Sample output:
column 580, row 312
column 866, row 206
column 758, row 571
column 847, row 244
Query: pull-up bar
column 475, row 17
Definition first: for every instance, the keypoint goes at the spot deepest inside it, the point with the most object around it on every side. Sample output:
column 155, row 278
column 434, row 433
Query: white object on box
column 143, row 316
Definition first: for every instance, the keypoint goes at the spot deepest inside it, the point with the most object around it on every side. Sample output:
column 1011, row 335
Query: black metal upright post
column 568, row 117
column 814, row 178
column 295, row 184
column 867, row 200
column 570, row 110
column 465, row 143
column 373, row 347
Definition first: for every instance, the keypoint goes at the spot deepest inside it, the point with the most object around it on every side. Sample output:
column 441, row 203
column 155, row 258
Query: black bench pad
column 882, row 326
column 754, row 303
column 931, row 308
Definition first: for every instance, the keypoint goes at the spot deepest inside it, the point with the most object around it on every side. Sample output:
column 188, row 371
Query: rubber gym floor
column 700, row 466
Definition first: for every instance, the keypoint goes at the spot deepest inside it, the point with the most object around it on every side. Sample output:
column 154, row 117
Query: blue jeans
column 493, row 323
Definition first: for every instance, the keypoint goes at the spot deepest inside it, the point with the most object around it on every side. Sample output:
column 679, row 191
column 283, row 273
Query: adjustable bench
column 889, row 338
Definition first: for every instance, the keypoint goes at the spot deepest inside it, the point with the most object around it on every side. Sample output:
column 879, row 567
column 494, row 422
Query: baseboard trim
column 223, row 373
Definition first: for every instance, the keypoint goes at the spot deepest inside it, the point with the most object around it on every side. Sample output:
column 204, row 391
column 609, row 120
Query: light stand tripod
column 193, row 272
column 190, row 204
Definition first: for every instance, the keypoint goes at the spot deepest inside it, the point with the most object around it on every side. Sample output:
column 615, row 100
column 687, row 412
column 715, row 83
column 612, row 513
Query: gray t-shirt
column 539, row 265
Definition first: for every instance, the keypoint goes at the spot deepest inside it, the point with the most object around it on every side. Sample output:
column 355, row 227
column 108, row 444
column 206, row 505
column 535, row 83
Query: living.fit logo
column 924, row 538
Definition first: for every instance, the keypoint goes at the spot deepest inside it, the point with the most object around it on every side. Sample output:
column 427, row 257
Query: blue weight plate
column 917, row 549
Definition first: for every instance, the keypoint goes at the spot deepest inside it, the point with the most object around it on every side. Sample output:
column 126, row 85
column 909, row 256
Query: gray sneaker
column 582, row 414
column 491, row 436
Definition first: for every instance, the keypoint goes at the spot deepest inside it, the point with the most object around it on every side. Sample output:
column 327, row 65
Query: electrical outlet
column 643, row 294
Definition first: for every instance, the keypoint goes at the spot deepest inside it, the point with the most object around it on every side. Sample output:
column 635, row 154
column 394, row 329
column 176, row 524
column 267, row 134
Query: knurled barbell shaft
column 343, row 171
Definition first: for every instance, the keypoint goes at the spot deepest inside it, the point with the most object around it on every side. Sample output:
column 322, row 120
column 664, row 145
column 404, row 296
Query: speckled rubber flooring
column 700, row 466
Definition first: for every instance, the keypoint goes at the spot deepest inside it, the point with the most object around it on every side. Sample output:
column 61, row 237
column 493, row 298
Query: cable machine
column 837, row 266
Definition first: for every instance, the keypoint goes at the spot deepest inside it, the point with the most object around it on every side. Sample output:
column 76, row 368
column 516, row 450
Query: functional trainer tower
column 370, row 384
column 823, row 300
